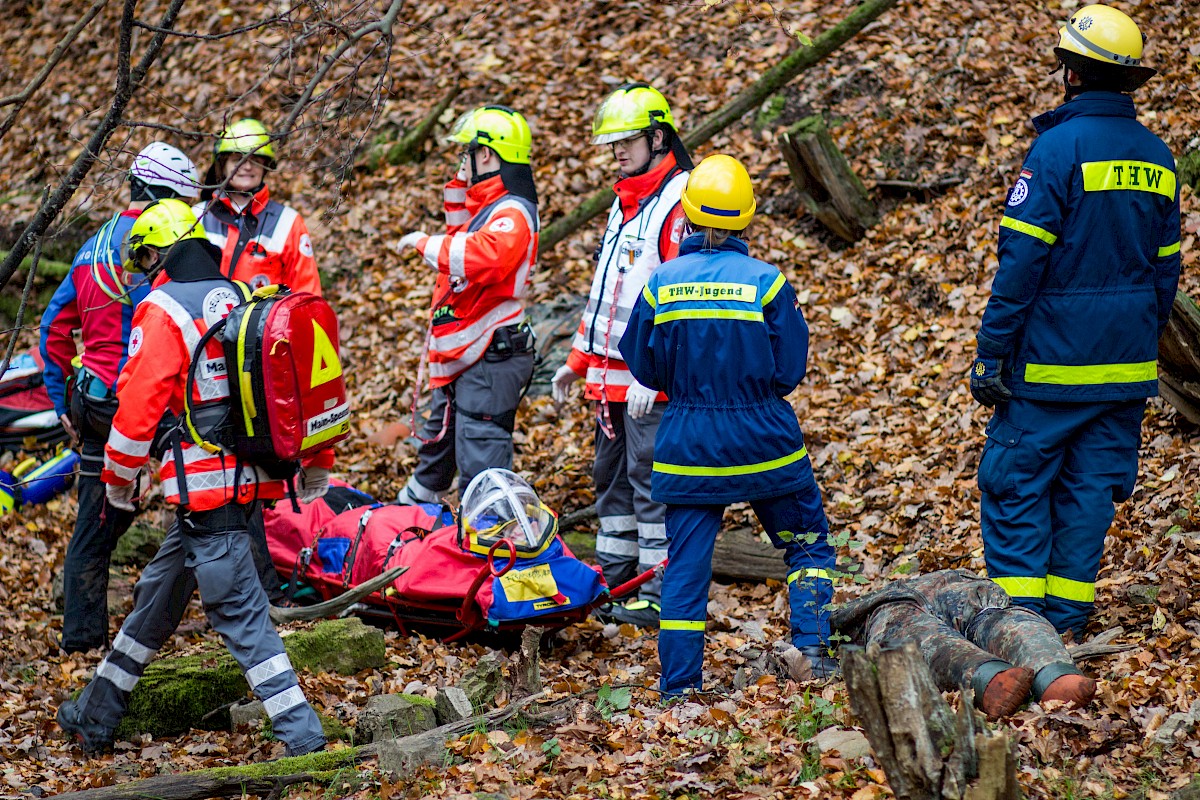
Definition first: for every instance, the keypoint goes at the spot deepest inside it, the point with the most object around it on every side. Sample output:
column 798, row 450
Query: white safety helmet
column 160, row 164
column 497, row 505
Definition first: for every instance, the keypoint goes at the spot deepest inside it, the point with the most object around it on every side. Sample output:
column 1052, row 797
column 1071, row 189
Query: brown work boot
column 1075, row 690
column 1006, row 692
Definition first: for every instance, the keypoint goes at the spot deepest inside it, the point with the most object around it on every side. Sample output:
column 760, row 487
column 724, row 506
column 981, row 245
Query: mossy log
column 775, row 78
column 177, row 694
column 927, row 750
column 828, row 187
column 410, row 146
column 1179, row 358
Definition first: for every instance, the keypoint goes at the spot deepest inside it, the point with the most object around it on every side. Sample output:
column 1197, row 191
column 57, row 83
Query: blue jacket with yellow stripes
column 722, row 335
column 1089, row 257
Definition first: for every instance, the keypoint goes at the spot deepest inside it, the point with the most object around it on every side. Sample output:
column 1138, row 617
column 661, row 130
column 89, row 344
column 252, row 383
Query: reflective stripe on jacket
column 1089, row 257
column 644, row 214
column 95, row 302
column 722, row 335
column 484, row 262
column 270, row 241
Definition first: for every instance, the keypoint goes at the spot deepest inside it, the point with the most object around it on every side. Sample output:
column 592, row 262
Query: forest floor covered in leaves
column 933, row 90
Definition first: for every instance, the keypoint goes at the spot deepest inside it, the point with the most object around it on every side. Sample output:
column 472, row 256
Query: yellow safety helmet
column 161, row 224
column 1100, row 41
column 631, row 109
column 246, row 136
column 497, row 127
column 719, row 194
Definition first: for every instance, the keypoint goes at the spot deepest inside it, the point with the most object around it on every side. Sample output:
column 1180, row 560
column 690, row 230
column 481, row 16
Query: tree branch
column 22, row 97
column 126, row 82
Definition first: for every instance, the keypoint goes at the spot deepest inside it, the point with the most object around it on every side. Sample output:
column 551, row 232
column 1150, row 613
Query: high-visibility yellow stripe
column 774, row 290
column 649, row 296
column 1136, row 176
column 680, row 625
column 822, row 574
column 1169, row 250
column 708, row 313
column 740, row 469
column 1067, row 589
column 1022, row 587
column 1091, row 375
column 1032, row 230
column 707, row 291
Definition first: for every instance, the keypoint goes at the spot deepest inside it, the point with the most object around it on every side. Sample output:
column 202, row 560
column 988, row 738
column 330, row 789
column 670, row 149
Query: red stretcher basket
column 445, row 590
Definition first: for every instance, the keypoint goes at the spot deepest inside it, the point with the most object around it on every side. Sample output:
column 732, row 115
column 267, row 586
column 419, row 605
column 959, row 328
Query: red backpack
column 286, row 390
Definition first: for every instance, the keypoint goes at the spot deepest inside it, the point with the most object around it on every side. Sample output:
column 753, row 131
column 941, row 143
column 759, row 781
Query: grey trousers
column 633, row 529
column 483, row 404
column 210, row 550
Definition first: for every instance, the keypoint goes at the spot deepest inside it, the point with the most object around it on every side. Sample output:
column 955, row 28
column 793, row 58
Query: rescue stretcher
column 446, row 590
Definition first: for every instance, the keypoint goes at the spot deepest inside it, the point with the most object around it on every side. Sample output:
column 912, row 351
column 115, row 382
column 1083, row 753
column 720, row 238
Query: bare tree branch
column 126, row 81
column 22, row 97
column 20, row 321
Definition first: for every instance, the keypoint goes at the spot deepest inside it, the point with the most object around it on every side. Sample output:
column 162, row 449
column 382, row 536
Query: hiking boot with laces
column 91, row 736
column 640, row 613
column 824, row 664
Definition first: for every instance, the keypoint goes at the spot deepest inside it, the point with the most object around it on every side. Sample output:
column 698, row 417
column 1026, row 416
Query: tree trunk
column 926, row 750
column 1179, row 358
column 408, row 147
column 742, row 555
column 771, row 81
column 828, row 187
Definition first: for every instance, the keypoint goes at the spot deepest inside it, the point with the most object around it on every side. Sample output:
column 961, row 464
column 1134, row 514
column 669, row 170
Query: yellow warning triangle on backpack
column 326, row 365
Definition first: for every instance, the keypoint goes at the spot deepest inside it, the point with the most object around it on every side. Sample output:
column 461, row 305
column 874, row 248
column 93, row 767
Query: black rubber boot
column 92, row 736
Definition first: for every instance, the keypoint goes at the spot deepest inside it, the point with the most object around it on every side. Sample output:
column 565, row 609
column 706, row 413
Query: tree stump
column 1179, row 358
column 926, row 749
column 828, row 187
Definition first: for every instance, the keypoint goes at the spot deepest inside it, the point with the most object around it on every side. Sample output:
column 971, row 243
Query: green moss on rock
column 138, row 546
column 345, row 646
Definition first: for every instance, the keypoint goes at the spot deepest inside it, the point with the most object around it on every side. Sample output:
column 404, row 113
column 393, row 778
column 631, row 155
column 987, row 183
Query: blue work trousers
column 791, row 521
column 1049, row 476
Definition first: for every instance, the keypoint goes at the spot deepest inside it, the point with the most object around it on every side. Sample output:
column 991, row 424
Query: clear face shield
column 498, row 505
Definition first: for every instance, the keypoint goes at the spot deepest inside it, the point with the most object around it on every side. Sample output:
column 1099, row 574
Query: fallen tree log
column 926, row 749
column 334, row 607
column 828, row 187
column 1179, row 358
column 796, row 62
column 409, row 146
column 272, row 777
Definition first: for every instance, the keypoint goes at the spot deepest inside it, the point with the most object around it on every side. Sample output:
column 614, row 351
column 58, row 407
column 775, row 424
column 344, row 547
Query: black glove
column 986, row 386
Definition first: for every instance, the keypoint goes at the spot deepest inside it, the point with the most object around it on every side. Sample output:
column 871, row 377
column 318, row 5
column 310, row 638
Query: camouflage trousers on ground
column 960, row 622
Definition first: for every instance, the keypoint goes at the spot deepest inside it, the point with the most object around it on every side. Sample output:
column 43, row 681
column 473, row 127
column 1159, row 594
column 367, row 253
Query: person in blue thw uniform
column 1068, row 347
column 721, row 333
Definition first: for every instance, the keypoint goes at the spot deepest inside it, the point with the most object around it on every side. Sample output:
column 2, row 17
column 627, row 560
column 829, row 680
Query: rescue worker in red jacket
column 480, row 343
column 207, row 546
column 645, row 225
column 262, row 241
column 97, row 299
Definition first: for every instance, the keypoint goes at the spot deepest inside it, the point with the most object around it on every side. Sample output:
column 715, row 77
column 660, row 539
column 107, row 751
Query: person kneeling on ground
column 970, row 632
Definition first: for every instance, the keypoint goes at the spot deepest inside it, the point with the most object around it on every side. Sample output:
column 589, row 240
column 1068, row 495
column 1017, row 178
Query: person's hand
column 314, row 483
column 72, row 434
column 639, row 400
column 561, row 382
column 120, row 496
column 410, row 240
column 986, row 386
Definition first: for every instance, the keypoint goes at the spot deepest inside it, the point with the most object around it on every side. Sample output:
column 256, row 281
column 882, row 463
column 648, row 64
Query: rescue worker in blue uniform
column 1089, row 262
column 721, row 333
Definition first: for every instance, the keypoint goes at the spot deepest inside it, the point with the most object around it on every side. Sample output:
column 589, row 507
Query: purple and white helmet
column 160, row 164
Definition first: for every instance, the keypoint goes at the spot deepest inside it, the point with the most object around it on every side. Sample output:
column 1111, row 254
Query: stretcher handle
column 512, row 557
column 633, row 584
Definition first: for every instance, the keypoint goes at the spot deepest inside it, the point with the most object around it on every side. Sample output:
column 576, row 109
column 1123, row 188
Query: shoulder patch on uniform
column 1026, row 173
column 306, row 245
column 1019, row 193
column 135, row 341
column 502, row 225
column 218, row 303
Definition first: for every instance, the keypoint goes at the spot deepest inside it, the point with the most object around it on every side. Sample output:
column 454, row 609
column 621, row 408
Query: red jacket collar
column 485, row 193
column 257, row 203
column 632, row 191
